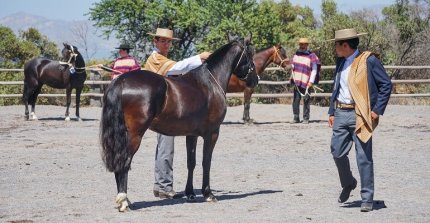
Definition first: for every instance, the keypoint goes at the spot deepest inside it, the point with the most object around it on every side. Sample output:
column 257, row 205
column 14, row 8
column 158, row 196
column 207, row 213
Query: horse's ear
column 230, row 37
column 64, row 44
column 248, row 39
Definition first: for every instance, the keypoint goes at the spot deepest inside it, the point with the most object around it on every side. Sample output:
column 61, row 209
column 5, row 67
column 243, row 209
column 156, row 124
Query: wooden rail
column 235, row 95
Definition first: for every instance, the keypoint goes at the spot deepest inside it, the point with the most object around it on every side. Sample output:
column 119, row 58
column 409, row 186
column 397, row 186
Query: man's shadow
column 377, row 204
column 199, row 198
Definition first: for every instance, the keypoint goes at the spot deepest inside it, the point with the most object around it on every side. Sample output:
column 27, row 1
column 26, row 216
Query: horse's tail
column 113, row 131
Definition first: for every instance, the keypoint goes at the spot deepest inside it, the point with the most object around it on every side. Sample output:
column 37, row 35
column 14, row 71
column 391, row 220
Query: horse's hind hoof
column 122, row 202
column 67, row 119
column 211, row 198
column 191, row 198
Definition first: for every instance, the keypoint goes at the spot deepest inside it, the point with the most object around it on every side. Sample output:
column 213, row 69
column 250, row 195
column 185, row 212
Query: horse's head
column 69, row 53
column 245, row 68
column 280, row 56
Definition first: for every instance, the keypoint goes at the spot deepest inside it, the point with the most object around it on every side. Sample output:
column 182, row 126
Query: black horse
column 191, row 105
column 69, row 74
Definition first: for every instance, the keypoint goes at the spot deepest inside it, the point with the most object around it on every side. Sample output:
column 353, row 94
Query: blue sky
column 70, row 10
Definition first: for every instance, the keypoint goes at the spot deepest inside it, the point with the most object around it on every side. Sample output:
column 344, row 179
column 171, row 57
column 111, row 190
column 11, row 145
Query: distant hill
column 60, row 31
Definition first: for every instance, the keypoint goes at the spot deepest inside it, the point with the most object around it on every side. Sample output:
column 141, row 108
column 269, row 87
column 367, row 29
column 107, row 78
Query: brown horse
column 191, row 105
column 70, row 74
column 262, row 59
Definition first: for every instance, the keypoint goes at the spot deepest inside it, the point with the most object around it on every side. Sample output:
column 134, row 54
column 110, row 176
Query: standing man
column 124, row 63
column 361, row 92
column 305, row 69
column 158, row 63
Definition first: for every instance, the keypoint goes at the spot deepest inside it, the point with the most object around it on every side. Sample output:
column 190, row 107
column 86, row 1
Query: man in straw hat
column 158, row 63
column 124, row 63
column 304, row 71
column 361, row 92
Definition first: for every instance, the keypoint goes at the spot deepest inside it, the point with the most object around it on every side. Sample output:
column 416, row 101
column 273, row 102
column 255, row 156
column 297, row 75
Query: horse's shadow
column 377, row 204
column 62, row 119
column 199, row 199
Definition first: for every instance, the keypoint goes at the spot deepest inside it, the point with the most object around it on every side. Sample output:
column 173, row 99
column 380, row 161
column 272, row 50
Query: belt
column 344, row 106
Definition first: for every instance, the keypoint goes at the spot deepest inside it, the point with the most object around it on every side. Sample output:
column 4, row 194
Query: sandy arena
column 270, row 171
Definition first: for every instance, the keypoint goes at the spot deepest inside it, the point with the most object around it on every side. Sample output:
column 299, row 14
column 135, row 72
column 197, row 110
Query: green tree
column 48, row 49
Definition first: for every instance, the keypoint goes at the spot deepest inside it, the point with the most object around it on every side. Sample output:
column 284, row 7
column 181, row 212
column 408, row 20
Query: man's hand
column 309, row 84
column 331, row 121
column 204, row 56
column 374, row 115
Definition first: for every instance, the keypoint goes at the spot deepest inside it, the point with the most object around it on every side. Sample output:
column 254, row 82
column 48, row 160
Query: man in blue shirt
column 361, row 92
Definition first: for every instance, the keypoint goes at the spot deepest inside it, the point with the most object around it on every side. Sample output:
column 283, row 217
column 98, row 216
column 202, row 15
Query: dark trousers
column 341, row 142
column 306, row 103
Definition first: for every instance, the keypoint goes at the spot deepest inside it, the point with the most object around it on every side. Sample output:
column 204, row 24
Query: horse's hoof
column 191, row 198
column 79, row 119
column 67, row 119
column 122, row 202
column 33, row 116
column 249, row 121
column 211, row 198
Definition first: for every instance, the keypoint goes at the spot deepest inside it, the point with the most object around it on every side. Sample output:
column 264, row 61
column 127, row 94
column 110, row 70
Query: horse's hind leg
column 191, row 164
column 208, row 147
column 25, row 98
column 68, row 101
column 122, row 201
column 32, row 100
column 135, row 128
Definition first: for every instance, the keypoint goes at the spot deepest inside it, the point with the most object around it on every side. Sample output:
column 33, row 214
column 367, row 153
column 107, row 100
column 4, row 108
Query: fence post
column 95, row 76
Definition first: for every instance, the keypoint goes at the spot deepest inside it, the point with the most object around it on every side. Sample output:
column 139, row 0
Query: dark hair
column 353, row 43
column 128, row 50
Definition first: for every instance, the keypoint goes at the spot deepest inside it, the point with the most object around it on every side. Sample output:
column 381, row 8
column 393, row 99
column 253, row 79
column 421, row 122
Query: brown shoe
column 366, row 207
column 346, row 191
column 169, row 194
column 156, row 193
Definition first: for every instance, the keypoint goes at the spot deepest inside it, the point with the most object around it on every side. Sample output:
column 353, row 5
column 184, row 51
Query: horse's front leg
column 191, row 164
column 208, row 147
column 247, row 93
column 121, row 185
column 78, row 102
column 68, row 101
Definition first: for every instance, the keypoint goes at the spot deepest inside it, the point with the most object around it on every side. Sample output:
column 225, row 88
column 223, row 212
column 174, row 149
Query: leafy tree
column 407, row 26
column 48, row 49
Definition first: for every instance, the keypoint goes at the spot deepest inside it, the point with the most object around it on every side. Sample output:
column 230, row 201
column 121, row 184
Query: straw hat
column 345, row 34
column 304, row 40
column 165, row 33
column 124, row 46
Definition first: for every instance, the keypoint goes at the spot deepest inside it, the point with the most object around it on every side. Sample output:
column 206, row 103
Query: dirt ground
column 270, row 171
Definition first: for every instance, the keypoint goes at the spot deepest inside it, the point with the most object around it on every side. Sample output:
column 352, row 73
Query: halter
column 276, row 54
column 73, row 55
column 249, row 69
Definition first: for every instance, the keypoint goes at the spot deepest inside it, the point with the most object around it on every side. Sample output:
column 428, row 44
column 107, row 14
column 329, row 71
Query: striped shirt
column 304, row 68
column 124, row 64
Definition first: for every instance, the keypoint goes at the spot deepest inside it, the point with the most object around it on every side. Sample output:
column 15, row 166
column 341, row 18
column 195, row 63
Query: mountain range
column 60, row 31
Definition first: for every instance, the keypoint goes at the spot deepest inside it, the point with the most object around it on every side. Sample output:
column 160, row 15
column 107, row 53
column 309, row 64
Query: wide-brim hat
column 124, row 46
column 165, row 33
column 304, row 40
column 345, row 34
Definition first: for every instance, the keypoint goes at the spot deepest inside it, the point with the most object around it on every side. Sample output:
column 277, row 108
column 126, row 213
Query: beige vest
column 159, row 64
column 359, row 88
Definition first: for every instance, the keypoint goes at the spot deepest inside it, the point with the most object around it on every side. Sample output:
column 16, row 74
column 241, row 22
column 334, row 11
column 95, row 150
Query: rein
column 240, row 58
column 222, row 90
column 276, row 54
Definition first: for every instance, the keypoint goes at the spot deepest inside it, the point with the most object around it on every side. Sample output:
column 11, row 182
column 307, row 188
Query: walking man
column 361, row 92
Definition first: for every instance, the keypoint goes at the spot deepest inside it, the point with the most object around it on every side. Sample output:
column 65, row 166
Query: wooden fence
column 99, row 83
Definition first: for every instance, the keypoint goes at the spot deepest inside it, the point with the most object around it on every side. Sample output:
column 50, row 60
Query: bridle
column 276, row 55
column 250, row 69
column 73, row 56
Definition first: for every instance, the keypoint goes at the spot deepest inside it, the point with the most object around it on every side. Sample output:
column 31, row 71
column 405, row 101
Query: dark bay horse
column 70, row 74
column 191, row 105
column 262, row 59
